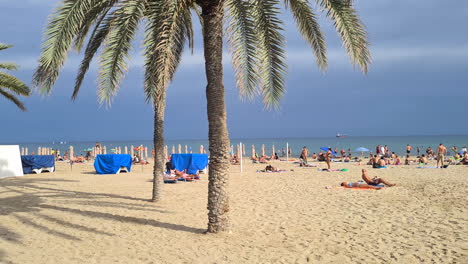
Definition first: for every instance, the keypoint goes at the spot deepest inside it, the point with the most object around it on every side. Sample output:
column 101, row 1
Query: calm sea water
column 395, row 144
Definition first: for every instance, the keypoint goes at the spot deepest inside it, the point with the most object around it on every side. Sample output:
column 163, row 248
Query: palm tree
column 11, row 83
column 112, row 25
column 258, row 56
column 254, row 32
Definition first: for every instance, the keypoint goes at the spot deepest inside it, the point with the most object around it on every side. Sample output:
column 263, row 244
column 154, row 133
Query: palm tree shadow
column 32, row 196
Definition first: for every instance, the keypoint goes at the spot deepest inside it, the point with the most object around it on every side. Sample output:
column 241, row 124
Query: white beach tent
column 10, row 161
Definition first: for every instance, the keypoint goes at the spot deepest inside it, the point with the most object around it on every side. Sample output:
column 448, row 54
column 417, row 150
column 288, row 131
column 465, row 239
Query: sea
column 396, row 144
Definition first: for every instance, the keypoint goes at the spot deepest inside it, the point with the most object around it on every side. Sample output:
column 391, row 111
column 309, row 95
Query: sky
column 416, row 84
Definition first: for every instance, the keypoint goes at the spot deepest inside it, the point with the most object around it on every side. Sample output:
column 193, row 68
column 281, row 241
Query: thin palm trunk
column 158, row 140
column 218, row 199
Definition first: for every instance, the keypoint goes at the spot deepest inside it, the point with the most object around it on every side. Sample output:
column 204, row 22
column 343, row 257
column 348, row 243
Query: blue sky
column 417, row 83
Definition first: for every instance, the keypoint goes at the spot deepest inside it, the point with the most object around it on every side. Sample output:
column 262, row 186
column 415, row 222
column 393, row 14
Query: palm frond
column 113, row 60
column 62, row 28
column 13, row 99
column 13, row 84
column 306, row 21
column 351, row 30
column 242, row 40
column 9, row 66
column 93, row 17
column 168, row 29
column 5, row 46
column 271, row 51
column 96, row 39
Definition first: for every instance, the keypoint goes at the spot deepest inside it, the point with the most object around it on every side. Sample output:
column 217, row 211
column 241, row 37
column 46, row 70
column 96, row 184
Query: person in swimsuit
column 397, row 160
column 359, row 185
column 328, row 157
column 441, row 151
column 423, row 159
column 304, row 154
column 374, row 181
column 464, row 161
column 408, row 149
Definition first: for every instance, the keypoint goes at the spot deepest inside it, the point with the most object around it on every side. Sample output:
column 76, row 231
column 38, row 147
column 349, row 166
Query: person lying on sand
column 359, row 185
column 271, row 168
column 374, row 181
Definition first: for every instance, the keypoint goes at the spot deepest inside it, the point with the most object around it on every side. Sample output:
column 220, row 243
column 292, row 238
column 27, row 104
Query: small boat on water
column 341, row 135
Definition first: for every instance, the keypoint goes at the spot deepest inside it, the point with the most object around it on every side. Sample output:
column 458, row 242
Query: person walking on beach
column 441, row 152
column 408, row 149
column 328, row 157
column 418, row 150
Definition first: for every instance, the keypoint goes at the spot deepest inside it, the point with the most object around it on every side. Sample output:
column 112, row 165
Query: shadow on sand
column 26, row 198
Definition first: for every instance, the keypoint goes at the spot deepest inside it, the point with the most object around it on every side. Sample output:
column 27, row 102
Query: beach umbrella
column 362, row 150
column 126, row 150
column 201, row 149
column 253, row 151
column 326, row 149
column 273, row 150
column 263, row 149
column 186, row 149
column 173, row 149
column 26, row 151
column 146, row 152
column 179, row 148
column 71, row 152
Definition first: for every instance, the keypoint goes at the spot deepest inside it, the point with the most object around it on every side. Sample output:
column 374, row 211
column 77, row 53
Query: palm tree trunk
column 218, row 200
column 158, row 141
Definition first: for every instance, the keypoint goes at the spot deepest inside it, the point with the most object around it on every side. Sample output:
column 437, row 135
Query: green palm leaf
column 13, row 99
column 351, row 30
column 307, row 23
column 271, row 51
column 62, row 28
column 113, row 62
column 96, row 39
column 94, row 16
column 8, row 66
column 242, row 39
column 168, row 28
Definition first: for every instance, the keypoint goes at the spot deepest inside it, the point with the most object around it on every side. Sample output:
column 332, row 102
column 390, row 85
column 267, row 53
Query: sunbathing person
column 272, row 169
column 375, row 180
column 464, row 160
column 397, row 160
column 180, row 174
column 407, row 161
column 263, row 159
column 423, row 159
column 235, row 160
column 380, row 163
column 359, row 185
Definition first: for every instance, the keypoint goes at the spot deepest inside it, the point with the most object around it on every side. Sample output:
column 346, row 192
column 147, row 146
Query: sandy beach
column 290, row 217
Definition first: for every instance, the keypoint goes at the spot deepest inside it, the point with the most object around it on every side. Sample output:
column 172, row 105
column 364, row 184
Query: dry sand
column 81, row 217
